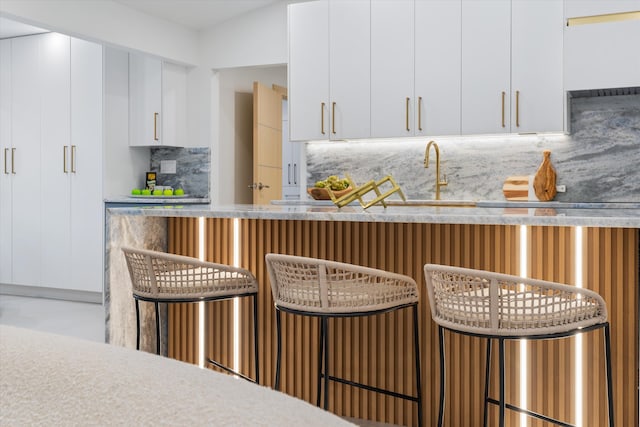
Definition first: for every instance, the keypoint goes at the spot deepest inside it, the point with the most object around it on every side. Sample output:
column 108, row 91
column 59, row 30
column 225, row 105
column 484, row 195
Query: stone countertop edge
column 157, row 200
column 618, row 218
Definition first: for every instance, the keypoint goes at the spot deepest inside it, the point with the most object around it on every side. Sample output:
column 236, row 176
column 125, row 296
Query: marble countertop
column 143, row 200
column 518, row 214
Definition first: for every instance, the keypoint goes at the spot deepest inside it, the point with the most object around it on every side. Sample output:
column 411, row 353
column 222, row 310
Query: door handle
column 322, row 118
column 406, row 114
column 257, row 186
column 333, row 118
column 73, row 159
column 13, row 161
column 6, row 152
column 295, row 173
column 503, row 94
column 518, row 108
column 64, row 159
column 419, row 113
column 289, row 173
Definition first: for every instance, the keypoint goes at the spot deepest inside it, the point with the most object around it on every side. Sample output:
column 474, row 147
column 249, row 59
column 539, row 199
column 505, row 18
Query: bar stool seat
column 505, row 307
column 329, row 289
column 160, row 277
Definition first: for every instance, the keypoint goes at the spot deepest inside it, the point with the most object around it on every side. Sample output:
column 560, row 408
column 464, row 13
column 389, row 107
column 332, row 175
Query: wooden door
column 267, row 144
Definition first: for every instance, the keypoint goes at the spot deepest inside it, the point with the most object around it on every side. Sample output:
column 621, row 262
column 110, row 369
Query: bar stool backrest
column 321, row 286
column 487, row 303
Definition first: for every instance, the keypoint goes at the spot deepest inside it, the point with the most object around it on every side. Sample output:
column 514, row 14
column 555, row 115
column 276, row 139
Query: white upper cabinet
column 601, row 54
column 392, row 70
column 437, row 67
column 537, row 101
column 157, row 102
column 308, row 71
column 511, row 66
column 486, row 32
column 349, row 69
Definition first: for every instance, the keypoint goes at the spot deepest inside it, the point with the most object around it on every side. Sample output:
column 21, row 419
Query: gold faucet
column 439, row 182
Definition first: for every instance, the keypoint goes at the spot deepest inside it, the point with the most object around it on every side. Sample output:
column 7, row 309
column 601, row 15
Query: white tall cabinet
column 51, row 193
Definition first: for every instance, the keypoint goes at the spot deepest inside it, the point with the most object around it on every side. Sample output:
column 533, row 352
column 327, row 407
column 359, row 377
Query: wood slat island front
column 379, row 349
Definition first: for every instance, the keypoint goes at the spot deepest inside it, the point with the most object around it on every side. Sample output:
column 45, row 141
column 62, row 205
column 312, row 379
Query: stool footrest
column 229, row 370
column 531, row 413
column 372, row 388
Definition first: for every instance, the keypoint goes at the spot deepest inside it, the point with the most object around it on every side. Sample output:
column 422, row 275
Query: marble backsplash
column 598, row 162
column 193, row 166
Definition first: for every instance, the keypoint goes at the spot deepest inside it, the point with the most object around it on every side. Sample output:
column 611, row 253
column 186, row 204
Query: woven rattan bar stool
column 160, row 277
column 328, row 289
column 504, row 307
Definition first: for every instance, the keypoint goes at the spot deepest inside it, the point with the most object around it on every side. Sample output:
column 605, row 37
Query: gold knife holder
column 360, row 191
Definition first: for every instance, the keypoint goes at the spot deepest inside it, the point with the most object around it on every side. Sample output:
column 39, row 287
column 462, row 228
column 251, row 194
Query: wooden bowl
column 322, row 193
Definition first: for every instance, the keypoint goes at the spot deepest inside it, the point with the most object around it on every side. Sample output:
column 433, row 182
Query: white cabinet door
column 437, row 67
column 26, row 206
column 290, row 160
column 485, row 66
column 601, row 55
column 86, row 217
column 5, row 175
column 308, row 71
column 392, row 78
column 145, row 101
column 349, row 69
column 56, row 164
column 537, row 100
column 174, row 105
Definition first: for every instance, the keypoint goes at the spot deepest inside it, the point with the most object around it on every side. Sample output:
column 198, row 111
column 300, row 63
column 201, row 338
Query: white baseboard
column 53, row 293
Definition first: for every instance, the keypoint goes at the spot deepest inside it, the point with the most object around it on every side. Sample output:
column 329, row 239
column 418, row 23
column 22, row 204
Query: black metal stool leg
column 157, row 328
column 255, row 337
column 607, row 353
column 487, row 373
column 442, row 376
column 416, row 343
column 502, row 392
column 137, row 324
column 326, row 363
column 320, row 362
column 279, row 354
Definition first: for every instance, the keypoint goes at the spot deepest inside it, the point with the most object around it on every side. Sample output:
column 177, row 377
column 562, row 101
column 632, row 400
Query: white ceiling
column 195, row 14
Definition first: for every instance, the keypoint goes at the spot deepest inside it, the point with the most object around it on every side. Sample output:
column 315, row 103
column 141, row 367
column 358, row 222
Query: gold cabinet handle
column 73, row 159
column 155, row 126
column 333, row 118
column 517, row 108
column 64, row 159
column 503, row 94
column 406, row 113
column 13, row 161
column 420, row 113
column 322, row 117
column 6, row 152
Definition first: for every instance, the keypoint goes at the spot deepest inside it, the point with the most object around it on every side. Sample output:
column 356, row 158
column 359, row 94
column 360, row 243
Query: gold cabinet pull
column 155, row 126
column 333, row 118
column 517, row 108
column 406, row 113
column 322, row 117
column 64, row 159
column 73, row 159
column 6, row 152
column 13, row 161
column 420, row 113
column 503, row 94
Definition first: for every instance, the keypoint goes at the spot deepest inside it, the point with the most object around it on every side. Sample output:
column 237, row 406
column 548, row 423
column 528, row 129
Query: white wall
column 110, row 23
column 124, row 167
column 256, row 38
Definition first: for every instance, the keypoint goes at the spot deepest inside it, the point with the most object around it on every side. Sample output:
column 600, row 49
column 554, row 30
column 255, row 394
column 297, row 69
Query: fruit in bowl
column 167, row 192
column 339, row 187
column 178, row 192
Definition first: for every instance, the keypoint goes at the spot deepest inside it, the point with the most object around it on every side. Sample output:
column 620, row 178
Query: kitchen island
column 592, row 247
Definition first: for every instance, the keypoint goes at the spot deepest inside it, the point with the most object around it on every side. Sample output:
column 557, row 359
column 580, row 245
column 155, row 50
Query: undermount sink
column 427, row 202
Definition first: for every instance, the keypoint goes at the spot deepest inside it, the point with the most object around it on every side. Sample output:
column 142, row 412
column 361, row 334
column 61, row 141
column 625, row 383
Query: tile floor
column 77, row 319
